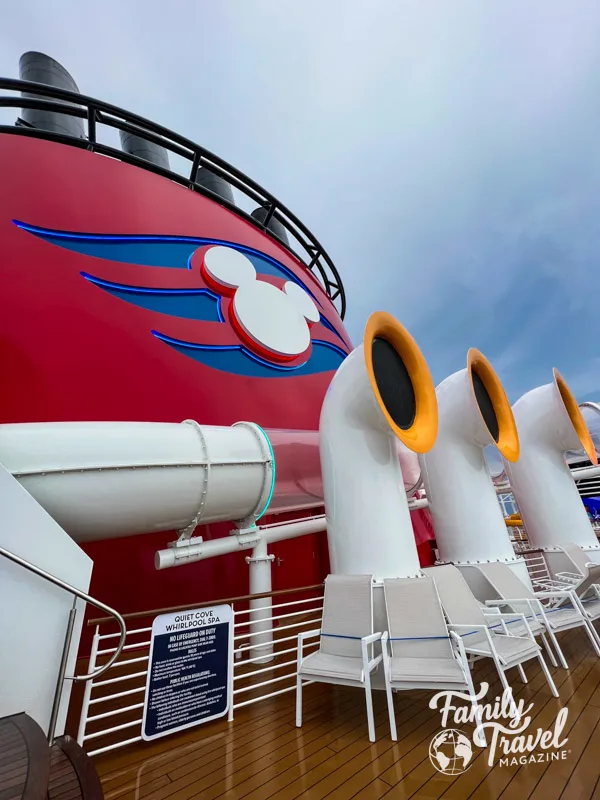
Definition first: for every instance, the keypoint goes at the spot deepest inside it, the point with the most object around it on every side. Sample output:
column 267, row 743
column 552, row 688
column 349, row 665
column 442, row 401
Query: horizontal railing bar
column 245, row 681
column 129, row 633
column 268, row 696
column 110, row 747
column 121, row 678
column 130, row 661
column 264, row 644
column 264, row 669
column 263, row 683
column 98, row 734
column 127, row 647
column 276, row 653
column 116, row 696
column 249, row 622
column 227, row 600
column 175, row 142
column 276, row 605
column 116, row 712
column 240, row 636
column 127, row 127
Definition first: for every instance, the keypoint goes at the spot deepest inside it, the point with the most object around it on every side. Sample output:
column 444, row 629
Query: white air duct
column 382, row 390
column 474, row 412
column 550, row 423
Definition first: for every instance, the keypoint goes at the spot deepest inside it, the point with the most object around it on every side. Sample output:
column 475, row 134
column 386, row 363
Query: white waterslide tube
column 101, row 480
column 550, row 423
column 382, row 392
column 474, row 412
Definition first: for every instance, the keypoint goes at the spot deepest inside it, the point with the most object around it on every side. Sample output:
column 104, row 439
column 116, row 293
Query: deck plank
column 263, row 756
column 492, row 782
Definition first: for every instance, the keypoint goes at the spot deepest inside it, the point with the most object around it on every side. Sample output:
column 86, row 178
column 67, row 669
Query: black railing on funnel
column 94, row 112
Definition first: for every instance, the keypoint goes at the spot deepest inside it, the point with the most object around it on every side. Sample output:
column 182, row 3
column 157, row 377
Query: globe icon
column 451, row 752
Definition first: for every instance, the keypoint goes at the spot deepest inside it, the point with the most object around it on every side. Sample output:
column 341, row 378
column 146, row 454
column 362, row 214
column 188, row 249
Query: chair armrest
column 570, row 576
column 514, row 617
column 507, row 615
column 551, row 585
column 307, row 635
column 461, row 655
column 370, row 664
column 554, row 593
column 469, row 628
column 506, row 602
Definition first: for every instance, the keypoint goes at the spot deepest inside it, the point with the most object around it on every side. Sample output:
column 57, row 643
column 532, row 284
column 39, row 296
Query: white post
column 261, row 624
column 87, row 689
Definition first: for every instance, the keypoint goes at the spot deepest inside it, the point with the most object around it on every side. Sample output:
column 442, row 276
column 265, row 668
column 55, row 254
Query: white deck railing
column 112, row 708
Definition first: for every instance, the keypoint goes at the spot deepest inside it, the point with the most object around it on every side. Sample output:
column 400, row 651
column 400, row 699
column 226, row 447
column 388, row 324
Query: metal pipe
column 241, row 540
column 585, row 473
column 82, row 596
column 62, row 671
column 261, row 625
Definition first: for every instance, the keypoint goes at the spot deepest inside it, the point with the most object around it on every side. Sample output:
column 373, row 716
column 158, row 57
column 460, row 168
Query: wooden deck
column 263, row 755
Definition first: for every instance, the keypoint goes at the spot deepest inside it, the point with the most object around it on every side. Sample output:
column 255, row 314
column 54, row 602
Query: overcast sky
column 446, row 153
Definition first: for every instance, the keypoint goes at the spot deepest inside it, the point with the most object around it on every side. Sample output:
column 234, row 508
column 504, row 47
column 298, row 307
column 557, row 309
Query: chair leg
column 558, row 649
column 591, row 632
column 522, row 673
column 369, row 699
column 507, row 687
column 390, row 704
column 476, row 710
column 298, row 701
column 549, row 650
column 551, row 684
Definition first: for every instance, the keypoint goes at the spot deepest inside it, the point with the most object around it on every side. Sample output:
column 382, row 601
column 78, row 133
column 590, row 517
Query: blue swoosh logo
column 238, row 360
column 195, row 304
column 154, row 251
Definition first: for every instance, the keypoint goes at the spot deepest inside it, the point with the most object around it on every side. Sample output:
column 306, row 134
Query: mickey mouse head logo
column 274, row 321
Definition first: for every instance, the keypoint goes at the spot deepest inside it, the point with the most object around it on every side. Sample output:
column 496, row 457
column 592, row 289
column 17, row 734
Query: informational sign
column 190, row 670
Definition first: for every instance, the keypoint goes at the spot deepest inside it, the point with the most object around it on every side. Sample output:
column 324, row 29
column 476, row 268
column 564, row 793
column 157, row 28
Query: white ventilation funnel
column 474, row 413
column 382, row 392
column 550, row 423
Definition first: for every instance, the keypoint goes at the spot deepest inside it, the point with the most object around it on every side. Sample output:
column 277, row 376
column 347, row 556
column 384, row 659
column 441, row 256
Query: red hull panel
column 70, row 351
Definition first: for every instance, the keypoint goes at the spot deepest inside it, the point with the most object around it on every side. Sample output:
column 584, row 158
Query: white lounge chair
column 419, row 652
column 567, row 611
column 584, row 567
column 480, row 637
column 585, row 582
column 345, row 655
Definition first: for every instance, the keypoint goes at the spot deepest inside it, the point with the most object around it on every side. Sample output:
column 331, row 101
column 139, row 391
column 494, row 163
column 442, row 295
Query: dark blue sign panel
column 190, row 670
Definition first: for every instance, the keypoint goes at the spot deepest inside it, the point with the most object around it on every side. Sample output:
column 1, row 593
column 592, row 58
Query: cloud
column 445, row 154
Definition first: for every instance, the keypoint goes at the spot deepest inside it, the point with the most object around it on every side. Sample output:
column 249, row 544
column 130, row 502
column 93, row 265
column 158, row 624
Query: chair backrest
column 593, row 577
column 507, row 584
column 416, row 622
column 577, row 556
column 347, row 614
column 458, row 601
